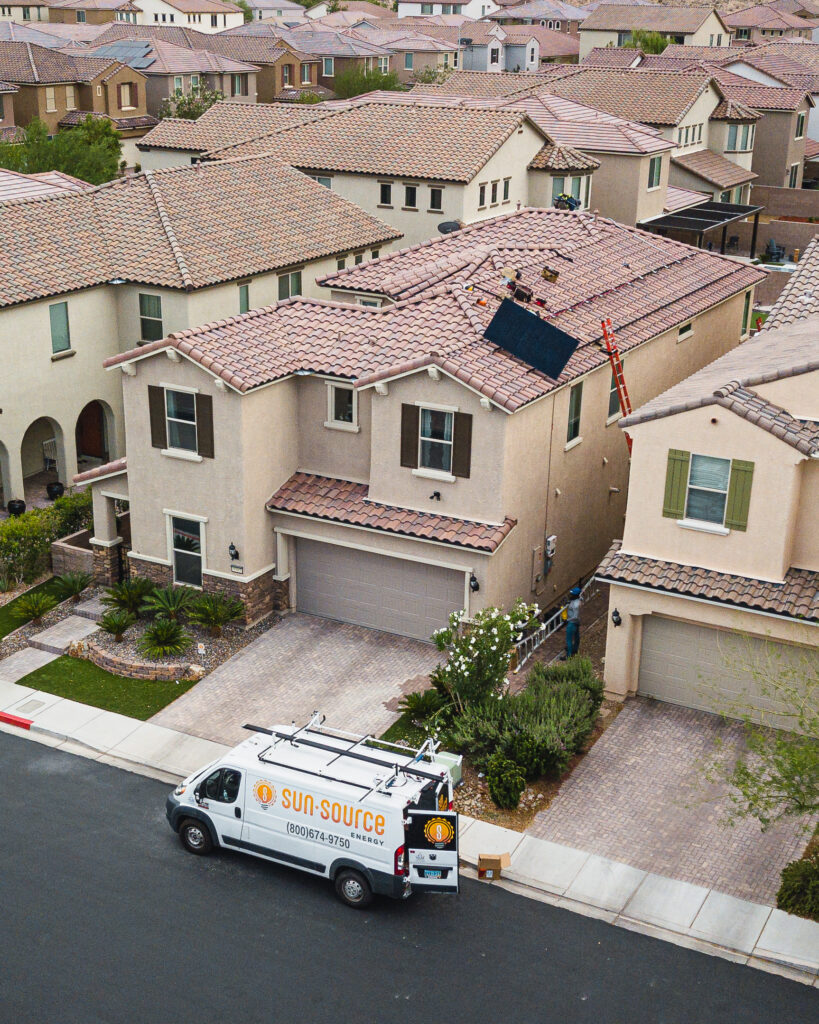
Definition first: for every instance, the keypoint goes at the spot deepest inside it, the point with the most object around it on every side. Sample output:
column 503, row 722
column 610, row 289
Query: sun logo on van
column 264, row 792
column 439, row 831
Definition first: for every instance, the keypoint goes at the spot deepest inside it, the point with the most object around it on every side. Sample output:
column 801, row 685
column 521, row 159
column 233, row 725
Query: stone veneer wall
column 72, row 553
column 260, row 596
column 89, row 651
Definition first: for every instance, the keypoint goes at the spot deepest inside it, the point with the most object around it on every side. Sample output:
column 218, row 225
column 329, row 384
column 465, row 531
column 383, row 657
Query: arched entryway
column 92, row 434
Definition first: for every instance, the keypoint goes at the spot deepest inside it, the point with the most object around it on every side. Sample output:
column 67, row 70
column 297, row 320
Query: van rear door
column 432, row 850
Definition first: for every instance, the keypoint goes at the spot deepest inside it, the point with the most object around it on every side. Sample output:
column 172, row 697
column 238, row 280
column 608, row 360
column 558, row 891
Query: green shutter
column 739, row 495
column 60, row 336
column 676, row 483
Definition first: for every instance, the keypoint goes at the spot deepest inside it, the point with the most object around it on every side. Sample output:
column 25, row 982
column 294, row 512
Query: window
column 793, row 177
column 507, row 184
column 180, row 417
column 80, row 16
column 408, row 61
column 26, row 14
column 375, row 253
column 177, row 83
column 358, row 259
column 244, row 298
column 685, row 331
column 435, row 440
column 436, row 199
column 800, row 125
column 654, row 170
column 494, row 55
column 51, row 100
column 286, row 71
column 558, row 184
column 746, row 130
column 384, row 193
column 328, row 67
column 455, row 59
column 575, row 187
column 289, row 284
column 707, row 489
column 194, row 82
column 494, row 193
column 532, row 55
column 719, row 38
column 60, row 335
column 588, row 192
column 481, row 196
column 126, row 96
column 699, row 133
column 426, row 8
column 341, row 263
column 322, row 180
column 70, row 98
column 685, row 136
column 384, row 65
column 743, row 33
column 214, row 21
column 614, row 399
column 186, row 545
column 410, row 197
column 238, row 85
column 150, row 317
column 305, row 74
column 342, row 407
column 575, row 402
column 746, row 314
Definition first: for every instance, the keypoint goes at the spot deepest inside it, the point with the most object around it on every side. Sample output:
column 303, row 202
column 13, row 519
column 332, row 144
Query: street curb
column 21, row 723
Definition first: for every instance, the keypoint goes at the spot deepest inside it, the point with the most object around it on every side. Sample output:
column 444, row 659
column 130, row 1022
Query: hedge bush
column 539, row 729
column 25, row 540
column 505, row 780
column 799, row 892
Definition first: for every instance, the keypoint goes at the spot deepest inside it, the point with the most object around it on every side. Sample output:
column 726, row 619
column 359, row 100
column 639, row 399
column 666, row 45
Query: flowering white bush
column 479, row 652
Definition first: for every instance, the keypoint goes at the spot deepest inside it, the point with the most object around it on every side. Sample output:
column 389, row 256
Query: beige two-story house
column 613, row 25
column 398, row 455
column 715, row 584
column 89, row 274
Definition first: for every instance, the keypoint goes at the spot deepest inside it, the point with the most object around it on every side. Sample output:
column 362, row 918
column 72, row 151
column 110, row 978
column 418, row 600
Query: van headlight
column 179, row 790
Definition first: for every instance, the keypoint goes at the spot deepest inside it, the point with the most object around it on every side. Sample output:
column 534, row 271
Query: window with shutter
column 204, row 426
column 676, row 483
column 462, row 451
column 156, row 408
column 739, row 495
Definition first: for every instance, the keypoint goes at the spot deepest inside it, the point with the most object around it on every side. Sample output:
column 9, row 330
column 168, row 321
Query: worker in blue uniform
column 573, row 623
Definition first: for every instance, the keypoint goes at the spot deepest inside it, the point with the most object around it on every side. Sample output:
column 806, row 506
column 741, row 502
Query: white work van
column 374, row 818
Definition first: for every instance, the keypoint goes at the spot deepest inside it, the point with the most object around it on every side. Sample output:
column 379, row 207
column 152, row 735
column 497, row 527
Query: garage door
column 715, row 670
column 409, row 598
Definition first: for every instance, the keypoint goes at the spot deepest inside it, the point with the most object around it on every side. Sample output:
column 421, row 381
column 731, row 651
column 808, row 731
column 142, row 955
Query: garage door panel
column 715, row 670
column 392, row 594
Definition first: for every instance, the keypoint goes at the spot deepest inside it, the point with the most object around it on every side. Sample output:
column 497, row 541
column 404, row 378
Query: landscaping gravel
column 18, row 639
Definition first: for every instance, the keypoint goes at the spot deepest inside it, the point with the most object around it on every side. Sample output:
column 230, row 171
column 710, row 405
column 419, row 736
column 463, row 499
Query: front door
column 91, row 432
column 432, row 845
column 221, row 794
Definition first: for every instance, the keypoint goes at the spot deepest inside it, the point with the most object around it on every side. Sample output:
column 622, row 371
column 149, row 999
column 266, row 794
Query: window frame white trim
column 706, row 525
column 170, row 515
column 439, row 474
column 188, row 454
column 332, row 424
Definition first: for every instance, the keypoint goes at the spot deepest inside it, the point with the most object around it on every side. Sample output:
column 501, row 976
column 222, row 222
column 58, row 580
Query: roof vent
column 448, row 226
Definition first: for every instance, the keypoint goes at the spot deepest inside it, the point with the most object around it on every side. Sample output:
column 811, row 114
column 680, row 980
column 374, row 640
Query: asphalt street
column 104, row 918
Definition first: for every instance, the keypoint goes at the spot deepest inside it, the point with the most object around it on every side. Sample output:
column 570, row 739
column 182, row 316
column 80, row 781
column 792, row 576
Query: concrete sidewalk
column 624, row 896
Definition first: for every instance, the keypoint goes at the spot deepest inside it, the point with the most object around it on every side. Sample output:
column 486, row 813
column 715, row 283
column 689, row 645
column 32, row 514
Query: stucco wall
column 805, row 547
column 776, row 149
column 329, row 451
column 510, row 161
column 620, row 187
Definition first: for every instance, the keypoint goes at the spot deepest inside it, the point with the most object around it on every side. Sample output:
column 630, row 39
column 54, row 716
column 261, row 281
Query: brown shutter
column 134, row 94
column 156, row 406
column 204, row 425
column 119, row 97
column 409, row 436
column 462, row 446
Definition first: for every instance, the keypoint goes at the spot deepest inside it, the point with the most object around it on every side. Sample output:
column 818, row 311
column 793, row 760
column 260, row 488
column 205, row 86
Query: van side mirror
column 197, row 794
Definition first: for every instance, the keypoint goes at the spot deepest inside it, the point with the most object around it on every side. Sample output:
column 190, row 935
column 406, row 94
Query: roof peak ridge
column 167, row 227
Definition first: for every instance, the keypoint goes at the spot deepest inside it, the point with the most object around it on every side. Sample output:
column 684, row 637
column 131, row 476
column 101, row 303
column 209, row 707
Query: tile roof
column 800, row 296
column 647, row 284
column 731, row 109
column 167, row 59
column 14, row 185
column 713, row 168
column 760, row 97
column 485, row 84
column 30, row 64
column 340, row 501
column 797, row 597
column 612, row 57
column 95, row 5
column 776, row 354
column 799, row 434
column 204, row 6
column 224, row 124
column 15, row 31
column 537, row 9
column 107, row 469
column 327, row 43
column 401, row 42
column 550, row 43
column 811, row 149
column 683, row 198
column 562, row 158
column 257, row 49
column 654, row 18
column 439, row 143
column 183, row 227
column 176, row 34
column 779, row 66
column 765, row 16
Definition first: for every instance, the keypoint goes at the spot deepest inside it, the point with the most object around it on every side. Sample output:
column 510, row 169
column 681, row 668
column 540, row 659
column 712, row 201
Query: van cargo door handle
column 237, row 811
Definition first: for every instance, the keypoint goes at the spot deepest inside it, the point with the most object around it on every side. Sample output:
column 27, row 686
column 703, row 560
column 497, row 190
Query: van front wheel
column 195, row 837
column 353, row 889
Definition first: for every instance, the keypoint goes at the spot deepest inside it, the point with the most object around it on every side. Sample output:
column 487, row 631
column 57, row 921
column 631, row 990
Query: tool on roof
column 617, row 372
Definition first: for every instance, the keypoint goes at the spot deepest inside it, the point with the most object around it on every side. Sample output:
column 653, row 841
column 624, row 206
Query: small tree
column 90, row 151
column 354, row 82
column 431, row 75
column 479, row 652
column 648, row 42
column 246, row 11
column 189, row 105
column 308, row 97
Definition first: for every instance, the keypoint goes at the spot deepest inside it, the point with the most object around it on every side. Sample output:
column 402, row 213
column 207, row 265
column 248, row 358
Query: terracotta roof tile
column 651, row 18
column 107, row 469
column 713, row 168
column 797, row 597
column 27, row 63
column 800, row 297
column 563, row 158
column 341, row 501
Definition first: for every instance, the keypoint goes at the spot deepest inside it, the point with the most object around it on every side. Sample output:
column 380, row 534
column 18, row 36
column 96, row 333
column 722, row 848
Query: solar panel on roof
column 535, row 341
column 136, row 53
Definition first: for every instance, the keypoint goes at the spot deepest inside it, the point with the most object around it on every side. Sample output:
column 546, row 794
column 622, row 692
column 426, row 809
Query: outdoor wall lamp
column 616, row 618
column 233, row 551
column 435, row 496
column 474, row 586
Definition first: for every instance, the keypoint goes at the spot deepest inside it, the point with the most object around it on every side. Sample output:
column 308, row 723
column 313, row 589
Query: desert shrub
column 116, row 622
column 25, row 540
column 71, row 584
column 129, row 596
column 32, row 607
column 70, row 513
column 799, row 891
column 169, row 602
column 421, row 705
column 213, row 611
column 164, row 638
column 6, row 582
column 505, row 780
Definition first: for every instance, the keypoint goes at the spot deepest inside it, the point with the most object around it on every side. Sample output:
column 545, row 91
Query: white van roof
column 336, row 760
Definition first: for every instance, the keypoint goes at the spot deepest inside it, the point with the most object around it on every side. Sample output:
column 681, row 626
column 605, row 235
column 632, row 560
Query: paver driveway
column 303, row 664
column 639, row 796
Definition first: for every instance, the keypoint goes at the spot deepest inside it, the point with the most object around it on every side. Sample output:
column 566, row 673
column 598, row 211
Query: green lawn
column 403, row 730
column 7, row 620
column 83, row 681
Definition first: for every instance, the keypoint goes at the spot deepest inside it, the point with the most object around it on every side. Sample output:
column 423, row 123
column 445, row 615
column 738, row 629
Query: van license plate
column 432, row 874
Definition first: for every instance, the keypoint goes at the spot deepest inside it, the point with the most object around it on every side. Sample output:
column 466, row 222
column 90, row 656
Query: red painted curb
column 23, row 723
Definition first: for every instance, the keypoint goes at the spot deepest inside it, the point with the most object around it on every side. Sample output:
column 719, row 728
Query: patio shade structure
column 704, row 218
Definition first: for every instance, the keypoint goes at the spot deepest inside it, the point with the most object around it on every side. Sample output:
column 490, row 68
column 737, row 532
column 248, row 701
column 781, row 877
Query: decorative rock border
column 156, row 670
